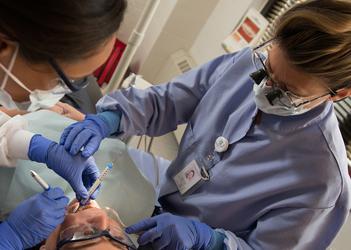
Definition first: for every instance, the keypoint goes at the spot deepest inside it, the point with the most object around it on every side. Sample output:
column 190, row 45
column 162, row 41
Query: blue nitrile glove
column 88, row 134
column 167, row 231
column 78, row 171
column 33, row 220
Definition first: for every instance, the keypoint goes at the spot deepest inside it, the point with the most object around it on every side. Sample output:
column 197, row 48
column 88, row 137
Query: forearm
column 161, row 108
column 112, row 119
column 153, row 111
column 13, row 112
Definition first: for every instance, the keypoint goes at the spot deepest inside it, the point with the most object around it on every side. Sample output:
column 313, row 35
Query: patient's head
column 86, row 228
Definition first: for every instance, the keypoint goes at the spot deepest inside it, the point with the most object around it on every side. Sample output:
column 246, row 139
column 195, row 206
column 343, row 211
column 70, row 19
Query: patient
column 90, row 228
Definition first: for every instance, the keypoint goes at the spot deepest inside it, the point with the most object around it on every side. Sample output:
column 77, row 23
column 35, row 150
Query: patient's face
column 88, row 215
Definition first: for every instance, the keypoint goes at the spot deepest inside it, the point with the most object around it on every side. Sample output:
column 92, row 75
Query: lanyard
column 211, row 159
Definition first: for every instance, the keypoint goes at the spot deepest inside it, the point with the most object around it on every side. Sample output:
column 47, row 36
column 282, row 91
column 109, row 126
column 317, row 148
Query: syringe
column 96, row 185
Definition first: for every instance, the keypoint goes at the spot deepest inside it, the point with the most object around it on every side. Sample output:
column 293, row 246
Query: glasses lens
column 258, row 60
column 278, row 96
column 297, row 101
column 285, row 100
column 73, row 85
column 61, row 87
column 80, row 84
column 77, row 232
column 112, row 214
column 80, row 235
column 117, row 227
column 260, row 54
column 294, row 99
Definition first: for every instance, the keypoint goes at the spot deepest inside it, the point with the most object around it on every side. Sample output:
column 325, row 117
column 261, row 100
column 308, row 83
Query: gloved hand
column 89, row 133
column 167, row 231
column 33, row 220
column 80, row 172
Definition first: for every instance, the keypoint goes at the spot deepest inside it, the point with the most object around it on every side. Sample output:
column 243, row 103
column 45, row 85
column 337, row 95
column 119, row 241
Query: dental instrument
column 95, row 185
column 39, row 180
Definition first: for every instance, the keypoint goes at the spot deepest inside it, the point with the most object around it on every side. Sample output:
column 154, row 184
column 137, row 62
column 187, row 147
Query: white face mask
column 38, row 99
column 279, row 108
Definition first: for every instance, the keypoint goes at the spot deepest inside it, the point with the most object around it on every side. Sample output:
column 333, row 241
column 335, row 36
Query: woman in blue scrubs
column 262, row 139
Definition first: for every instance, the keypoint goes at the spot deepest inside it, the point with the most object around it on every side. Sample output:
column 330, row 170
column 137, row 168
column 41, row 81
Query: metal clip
column 204, row 174
column 210, row 157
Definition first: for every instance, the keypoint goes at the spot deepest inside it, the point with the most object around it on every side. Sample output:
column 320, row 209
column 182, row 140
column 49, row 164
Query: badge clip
column 204, row 174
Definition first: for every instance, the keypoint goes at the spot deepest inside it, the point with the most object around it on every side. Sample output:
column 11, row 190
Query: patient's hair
column 66, row 30
column 316, row 37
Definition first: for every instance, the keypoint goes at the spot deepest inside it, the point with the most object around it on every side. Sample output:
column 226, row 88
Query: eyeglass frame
column 73, row 85
column 112, row 214
column 275, row 85
column 99, row 234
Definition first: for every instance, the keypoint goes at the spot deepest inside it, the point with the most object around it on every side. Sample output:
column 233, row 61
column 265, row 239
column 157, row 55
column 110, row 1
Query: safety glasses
column 277, row 94
column 87, row 234
column 73, row 85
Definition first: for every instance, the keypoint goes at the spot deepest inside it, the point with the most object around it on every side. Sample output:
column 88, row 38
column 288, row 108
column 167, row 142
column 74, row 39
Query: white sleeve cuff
column 15, row 141
column 18, row 145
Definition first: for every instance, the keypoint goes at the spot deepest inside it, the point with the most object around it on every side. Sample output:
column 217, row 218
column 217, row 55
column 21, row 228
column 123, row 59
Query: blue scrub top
column 283, row 182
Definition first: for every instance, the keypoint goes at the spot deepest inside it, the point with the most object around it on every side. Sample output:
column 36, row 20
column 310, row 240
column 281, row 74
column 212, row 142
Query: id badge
column 188, row 177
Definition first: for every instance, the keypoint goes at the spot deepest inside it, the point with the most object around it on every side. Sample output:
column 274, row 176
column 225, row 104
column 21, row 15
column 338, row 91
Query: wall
column 193, row 26
column 179, row 32
column 226, row 15
column 134, row 11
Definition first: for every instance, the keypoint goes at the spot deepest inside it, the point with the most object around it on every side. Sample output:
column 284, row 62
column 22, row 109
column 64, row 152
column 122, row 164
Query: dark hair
column 65, row 30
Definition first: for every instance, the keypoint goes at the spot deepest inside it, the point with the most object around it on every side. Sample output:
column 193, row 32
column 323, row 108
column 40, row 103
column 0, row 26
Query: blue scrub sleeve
column 113, row 119
column 158, row 110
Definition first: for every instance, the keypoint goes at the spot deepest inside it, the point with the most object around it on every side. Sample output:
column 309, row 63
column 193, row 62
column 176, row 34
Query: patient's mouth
column 74, row 204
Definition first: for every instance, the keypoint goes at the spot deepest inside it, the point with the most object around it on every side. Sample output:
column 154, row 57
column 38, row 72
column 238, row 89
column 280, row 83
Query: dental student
column 46, row 50
column 267, row 161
